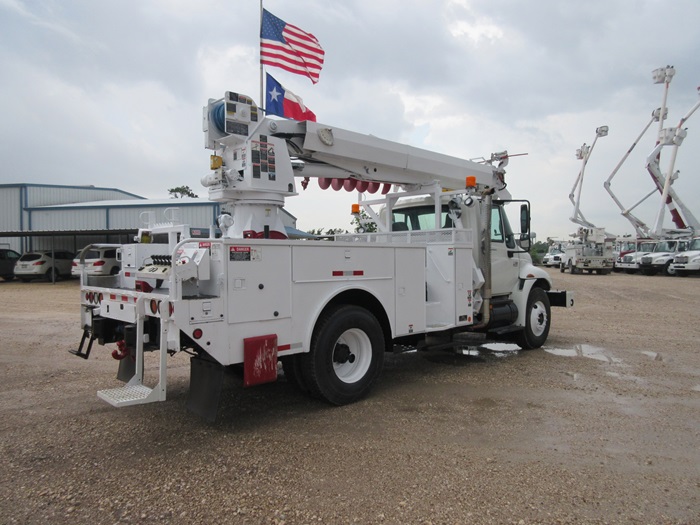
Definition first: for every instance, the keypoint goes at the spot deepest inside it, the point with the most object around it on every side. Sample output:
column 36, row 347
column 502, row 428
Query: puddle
column 591, row 352
column 492, row 349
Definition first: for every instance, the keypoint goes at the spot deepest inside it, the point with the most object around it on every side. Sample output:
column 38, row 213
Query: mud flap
column 206, row 382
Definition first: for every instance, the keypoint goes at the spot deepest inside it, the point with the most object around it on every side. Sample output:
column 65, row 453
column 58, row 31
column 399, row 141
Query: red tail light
column 99, row 263
column 39, row 263
column 74, row 263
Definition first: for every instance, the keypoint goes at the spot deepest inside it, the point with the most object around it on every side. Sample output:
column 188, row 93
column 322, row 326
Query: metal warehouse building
column 45, row 216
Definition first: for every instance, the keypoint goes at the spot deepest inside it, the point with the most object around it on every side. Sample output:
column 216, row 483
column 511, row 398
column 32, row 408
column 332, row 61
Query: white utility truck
column 629, row 262
column 688, row 261
column 444, row 264
column 660, row 259
column 592, row 249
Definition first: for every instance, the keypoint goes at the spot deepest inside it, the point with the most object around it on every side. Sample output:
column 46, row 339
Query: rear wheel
column 52, row 275
column 346, row 356
column 537, row 320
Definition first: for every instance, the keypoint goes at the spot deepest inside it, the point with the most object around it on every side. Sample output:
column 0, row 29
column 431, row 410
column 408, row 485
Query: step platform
column 127, row 395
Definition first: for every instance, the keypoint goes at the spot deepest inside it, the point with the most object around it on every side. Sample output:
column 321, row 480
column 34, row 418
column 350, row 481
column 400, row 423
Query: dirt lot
column 600, row 426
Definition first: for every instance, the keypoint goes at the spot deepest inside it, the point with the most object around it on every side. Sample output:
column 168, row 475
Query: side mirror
column 524, row 218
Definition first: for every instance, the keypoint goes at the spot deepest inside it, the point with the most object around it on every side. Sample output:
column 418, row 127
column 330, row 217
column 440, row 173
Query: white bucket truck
column 446, row 264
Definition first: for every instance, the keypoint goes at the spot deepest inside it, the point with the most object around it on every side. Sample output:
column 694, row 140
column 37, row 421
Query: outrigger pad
column 206, row 383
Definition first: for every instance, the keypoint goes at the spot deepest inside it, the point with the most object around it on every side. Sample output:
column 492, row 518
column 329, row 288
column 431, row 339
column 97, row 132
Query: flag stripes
column 290, row 48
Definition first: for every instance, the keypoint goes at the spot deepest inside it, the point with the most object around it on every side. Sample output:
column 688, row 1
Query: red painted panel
column 259, row 360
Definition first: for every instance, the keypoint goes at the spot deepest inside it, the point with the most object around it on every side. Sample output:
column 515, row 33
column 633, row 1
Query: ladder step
column 126, row 395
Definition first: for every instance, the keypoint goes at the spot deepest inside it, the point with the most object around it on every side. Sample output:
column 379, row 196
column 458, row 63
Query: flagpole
column 262, row 97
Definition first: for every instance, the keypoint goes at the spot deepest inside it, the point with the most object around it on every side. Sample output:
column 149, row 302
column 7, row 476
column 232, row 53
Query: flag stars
column 274, row 94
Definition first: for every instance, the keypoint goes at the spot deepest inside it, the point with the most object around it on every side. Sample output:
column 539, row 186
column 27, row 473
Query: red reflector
column 99, row 298
column 337, row 273
column 87, row 296
column 197, row 334
column 171, row 309
column 154, row 306
column 125, row 298
column 143, row 286
column 358, row 272
column 127, row 274
column 113, row 297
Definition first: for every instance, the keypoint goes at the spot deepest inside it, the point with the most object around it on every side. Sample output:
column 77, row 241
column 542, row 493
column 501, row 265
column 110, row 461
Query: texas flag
column 282, row 102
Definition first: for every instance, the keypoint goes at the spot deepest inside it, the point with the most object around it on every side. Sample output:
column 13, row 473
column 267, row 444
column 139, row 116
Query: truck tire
column 537, row 320
column 346, row 355
column 668, row 270
column 562, row 267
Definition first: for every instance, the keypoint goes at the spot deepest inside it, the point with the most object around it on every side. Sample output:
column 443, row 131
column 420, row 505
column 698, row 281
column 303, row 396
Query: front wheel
column 668, row 269
column 537, row 320
column 346, row 355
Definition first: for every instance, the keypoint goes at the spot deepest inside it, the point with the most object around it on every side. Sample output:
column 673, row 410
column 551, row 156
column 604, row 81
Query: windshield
column 694, row 245
column 646, row 246
column 665, row 246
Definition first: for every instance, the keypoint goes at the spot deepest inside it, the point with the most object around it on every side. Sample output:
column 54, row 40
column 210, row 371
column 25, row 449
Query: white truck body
column 687, row 262
column 328, row 310
column 629, row 263
column 591, row 251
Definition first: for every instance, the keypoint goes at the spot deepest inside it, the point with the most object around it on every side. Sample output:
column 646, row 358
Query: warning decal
column 239, row 253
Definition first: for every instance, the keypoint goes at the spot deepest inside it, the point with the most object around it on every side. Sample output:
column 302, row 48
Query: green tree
column 179, row 192
column 363, row 223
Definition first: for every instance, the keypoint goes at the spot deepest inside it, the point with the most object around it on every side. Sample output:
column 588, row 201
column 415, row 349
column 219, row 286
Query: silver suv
column 41, row 265
column 98, row 261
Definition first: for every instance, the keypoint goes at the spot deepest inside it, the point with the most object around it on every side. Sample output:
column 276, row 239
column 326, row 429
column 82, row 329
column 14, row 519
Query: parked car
column 98, row 261
column 8, row 259
column 41, row 265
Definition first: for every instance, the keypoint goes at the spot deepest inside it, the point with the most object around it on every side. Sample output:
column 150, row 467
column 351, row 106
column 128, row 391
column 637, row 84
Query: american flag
column 288, row 47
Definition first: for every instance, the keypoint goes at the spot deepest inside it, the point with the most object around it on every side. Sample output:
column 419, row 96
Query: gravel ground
column 600, row 426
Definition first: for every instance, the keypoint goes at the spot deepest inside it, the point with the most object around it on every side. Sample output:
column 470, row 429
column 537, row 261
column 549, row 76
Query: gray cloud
column 111, row 93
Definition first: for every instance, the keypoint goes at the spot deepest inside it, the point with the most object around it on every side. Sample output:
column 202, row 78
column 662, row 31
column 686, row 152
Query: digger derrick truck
column 443, row 262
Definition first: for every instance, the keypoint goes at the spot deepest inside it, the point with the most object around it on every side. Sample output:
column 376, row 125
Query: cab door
column 505, row 259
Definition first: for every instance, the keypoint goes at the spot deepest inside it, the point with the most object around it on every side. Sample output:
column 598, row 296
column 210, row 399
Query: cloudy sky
column 110, row 93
